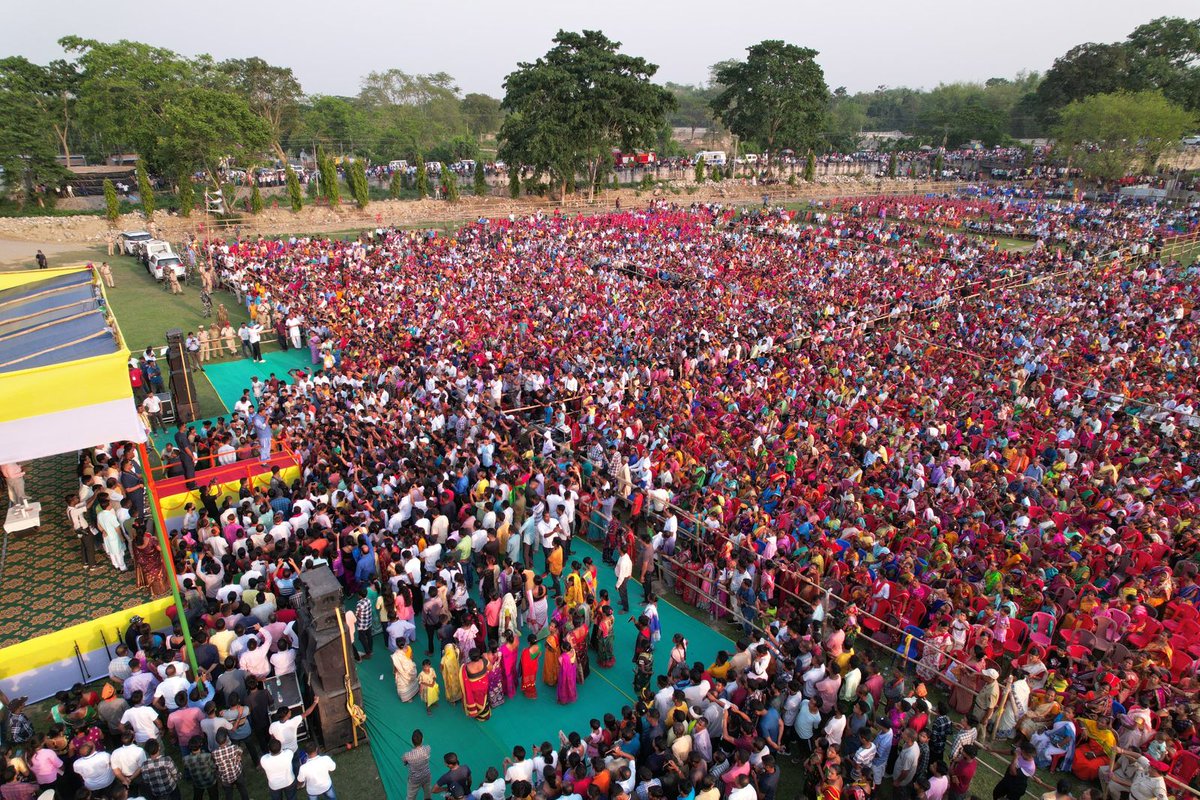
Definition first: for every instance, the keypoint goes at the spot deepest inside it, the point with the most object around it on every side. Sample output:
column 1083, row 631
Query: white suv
column 161, row 262
column 132, row 240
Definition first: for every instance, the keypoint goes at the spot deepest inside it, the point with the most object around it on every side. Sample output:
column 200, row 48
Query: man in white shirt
column 314, row 774
column 127, row 760
column 94, row 768
column 287, row 725
column 624, row 571
column 254, row 337
column 174, row 683
column 547, row 527
column 153, row 408
column 518, row 768
column 744, row 790
column 143, row 720
column 277, row 765
column 226, row 453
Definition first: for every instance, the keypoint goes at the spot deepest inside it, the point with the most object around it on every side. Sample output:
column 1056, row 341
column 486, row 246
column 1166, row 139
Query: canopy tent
column 64, row 371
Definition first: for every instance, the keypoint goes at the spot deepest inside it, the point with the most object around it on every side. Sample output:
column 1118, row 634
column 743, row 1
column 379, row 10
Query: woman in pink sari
column 510, row 659
column 567, row 692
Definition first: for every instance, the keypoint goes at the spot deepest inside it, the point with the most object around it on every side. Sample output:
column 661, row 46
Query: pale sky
column 862, row 44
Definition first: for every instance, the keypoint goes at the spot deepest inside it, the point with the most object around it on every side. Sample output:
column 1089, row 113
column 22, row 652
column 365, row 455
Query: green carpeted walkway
column 231, row 378
column 520, row 720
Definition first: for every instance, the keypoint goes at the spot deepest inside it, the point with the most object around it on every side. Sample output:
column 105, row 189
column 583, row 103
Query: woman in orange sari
column 550, row 662
column 475, row 687
column 529, row 667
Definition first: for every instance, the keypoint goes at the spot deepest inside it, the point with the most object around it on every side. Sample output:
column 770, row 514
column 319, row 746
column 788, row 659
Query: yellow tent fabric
column 67, row 405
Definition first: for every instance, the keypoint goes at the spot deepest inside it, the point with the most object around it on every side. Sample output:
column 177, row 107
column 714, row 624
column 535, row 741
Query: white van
column 398, row 166
column 711, row 157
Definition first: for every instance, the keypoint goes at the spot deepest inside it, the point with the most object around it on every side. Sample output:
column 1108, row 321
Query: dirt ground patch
column 20, row 254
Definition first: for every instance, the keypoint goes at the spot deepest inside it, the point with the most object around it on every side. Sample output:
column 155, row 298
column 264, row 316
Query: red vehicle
column 638, row 158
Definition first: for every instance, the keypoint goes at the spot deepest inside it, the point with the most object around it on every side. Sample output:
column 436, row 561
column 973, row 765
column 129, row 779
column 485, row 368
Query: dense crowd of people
column 822, row 430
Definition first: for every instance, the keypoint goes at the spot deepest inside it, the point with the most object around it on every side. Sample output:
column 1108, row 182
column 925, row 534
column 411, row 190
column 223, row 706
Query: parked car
column 131, row 240
column 159, row 263
column 1192, row 140
column 152, row 247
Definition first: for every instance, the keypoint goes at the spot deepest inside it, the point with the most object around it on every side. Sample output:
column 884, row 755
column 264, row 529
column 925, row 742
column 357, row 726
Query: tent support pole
column 160, row 530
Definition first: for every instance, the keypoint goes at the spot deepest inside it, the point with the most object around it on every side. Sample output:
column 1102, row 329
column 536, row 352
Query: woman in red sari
column 148, row 565
column 578, row 638
column 475, row 687
column 529, row 667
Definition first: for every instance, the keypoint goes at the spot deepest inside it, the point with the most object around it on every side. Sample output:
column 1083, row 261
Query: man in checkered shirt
column 363, row 622
column 228, row 758
column 200, row 768
column 159, row 773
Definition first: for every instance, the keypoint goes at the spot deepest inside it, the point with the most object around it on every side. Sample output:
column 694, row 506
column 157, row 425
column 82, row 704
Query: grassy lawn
column 145, row 311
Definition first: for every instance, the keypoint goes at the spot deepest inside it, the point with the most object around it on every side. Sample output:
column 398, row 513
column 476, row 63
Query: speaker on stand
column 183, row 388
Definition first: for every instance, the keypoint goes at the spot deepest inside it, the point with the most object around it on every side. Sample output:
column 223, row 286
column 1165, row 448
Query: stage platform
column 520, row 720
column 43, row 584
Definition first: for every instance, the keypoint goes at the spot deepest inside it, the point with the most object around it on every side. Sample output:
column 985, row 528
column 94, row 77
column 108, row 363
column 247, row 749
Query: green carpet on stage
column 520, row 720
column 231, row 378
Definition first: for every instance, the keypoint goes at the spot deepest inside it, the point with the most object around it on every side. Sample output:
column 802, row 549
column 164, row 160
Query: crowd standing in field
column 830, row 430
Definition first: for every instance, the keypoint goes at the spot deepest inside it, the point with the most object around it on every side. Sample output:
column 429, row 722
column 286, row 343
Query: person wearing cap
column 987, row 698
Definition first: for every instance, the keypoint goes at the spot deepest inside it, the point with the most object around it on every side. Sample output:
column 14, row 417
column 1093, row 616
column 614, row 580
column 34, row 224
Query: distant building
column 76, row 161
column 122, row 160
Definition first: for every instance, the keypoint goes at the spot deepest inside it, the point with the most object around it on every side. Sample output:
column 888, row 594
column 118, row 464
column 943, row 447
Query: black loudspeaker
column 321, row 601
column 183, row 389
column 327, row 669
column 333, row 718
column 325, row 653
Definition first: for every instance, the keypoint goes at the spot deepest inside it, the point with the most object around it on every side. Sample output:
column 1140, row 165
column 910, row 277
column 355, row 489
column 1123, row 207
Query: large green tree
column 482, row 113
column 124, row 91
column 28, row 145
column 51, row 91
column 333, row 122
column 1162, row 54
column 199, row 128
column 570, row 108
column 1107, row 135
column 409, row 113
column 953, row 114
column 272, row 92
column 777, row 97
